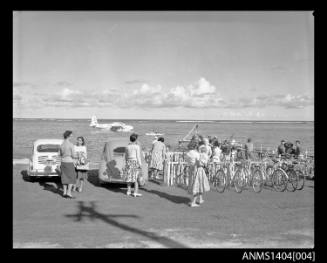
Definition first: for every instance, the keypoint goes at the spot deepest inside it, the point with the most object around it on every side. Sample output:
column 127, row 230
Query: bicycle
column 307, row 167
column 182, row 173
column 296, row 166
column 267, row 168
column 284, row 175
column 247, row 174
column 219, row 180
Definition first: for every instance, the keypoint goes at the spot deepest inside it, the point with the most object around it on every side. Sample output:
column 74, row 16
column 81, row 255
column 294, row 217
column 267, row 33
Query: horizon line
column 74, row 118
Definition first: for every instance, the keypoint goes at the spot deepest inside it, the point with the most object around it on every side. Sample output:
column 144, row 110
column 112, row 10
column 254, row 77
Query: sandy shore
column 104, row 217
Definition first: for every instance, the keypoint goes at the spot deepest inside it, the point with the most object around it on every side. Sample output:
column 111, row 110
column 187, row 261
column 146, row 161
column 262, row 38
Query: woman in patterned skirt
column 191, row 158
column 133, row 164
column 158, row 153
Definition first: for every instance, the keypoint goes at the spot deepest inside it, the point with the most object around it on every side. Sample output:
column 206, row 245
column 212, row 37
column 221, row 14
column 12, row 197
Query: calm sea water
column 25, row 131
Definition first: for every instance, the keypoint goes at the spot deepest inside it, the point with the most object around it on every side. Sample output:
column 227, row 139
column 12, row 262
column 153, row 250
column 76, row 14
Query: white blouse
column 81, row 152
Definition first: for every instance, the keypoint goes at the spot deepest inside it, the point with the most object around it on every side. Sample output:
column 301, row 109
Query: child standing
column 82, row 165
column 200, row 183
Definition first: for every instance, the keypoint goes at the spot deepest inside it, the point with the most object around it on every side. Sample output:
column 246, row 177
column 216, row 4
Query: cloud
column 23, row 85
column 198, row 95
column 201, row 95
column 64, row 84
column 287, row 101
column 17, row 97
column 135, row 81
column 280, row 69
column 68, row 94
column 20, row 84
column 203, row 87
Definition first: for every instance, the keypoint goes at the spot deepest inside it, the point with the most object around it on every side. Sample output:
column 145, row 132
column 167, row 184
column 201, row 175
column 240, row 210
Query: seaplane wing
column 154, row 134
column 115, row 126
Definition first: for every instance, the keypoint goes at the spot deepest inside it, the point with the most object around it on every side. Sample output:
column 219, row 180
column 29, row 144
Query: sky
column 182, row 65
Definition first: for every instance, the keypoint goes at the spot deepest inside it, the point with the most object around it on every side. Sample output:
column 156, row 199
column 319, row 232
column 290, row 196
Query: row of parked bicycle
column 279, row 173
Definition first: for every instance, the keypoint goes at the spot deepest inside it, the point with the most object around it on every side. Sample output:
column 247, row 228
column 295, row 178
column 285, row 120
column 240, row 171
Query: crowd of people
column 201, row 150
column 225, row 150
column 230, row 149
column 286, row 149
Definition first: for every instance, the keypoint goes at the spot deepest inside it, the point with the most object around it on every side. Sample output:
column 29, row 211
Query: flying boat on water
column 114, row 126
column 154, row 134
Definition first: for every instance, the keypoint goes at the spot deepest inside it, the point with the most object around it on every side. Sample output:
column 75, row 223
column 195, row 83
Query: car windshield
column 48, row 148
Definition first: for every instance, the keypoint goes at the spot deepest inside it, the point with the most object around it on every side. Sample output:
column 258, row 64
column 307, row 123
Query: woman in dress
column 191, row 157
column 133, row 165
column 200, row 183
column 158, row 153
column 216, row 153
column 207, row 147
column 82, row 164
column 68, row 174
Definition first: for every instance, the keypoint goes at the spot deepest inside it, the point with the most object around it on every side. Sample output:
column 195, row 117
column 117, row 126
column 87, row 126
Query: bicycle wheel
column 239, row 181
column 279, row 180
column 300, row 180
column 257, row 180
column 219, row 181
column 269, row 173
column 292, row 180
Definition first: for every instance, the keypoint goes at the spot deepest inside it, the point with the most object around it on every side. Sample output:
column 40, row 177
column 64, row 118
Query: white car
column 45, row 158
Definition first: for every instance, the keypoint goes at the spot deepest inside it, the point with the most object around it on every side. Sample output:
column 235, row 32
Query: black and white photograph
column 163, row 129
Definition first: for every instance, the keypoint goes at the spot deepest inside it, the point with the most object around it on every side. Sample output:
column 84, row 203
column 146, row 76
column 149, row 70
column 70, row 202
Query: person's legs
column 136, row 187
column 76, row 184
column 201, row 198
column 193, row 203
column 69, row 190
column 129, row 189
column 65, row 189
column 81, row 183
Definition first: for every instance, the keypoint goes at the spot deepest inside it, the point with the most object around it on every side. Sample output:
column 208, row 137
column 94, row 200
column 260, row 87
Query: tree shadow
column 91, row 213
column 172, row 198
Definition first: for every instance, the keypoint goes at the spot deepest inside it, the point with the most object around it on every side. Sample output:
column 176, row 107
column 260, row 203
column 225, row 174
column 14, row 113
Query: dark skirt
column 68, row 173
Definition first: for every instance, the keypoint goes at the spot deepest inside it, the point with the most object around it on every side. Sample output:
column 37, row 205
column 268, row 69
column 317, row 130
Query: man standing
column 281, row 148
column 249, row 149
column 297, row 149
